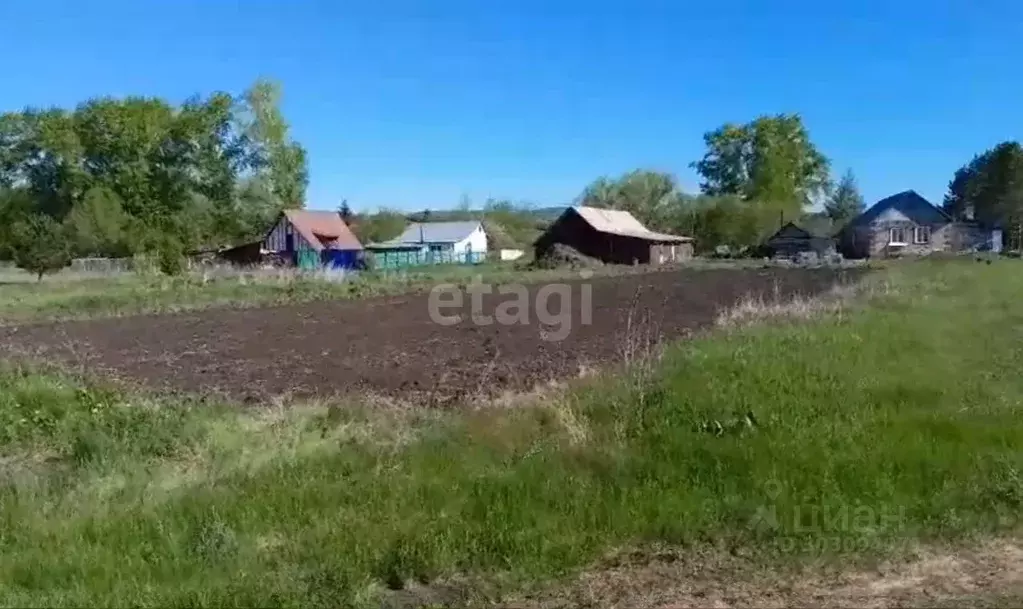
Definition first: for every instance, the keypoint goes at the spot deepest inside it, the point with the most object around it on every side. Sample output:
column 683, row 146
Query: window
column 922, row 234
column 897, row 236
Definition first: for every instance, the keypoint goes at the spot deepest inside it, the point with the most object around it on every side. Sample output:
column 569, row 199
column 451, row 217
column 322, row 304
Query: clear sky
column 413, row 104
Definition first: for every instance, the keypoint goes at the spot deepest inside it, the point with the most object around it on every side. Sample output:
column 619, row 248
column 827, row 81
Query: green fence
column 396, row 259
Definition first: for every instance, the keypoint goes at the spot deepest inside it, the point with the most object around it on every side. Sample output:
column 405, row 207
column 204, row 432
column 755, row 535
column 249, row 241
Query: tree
column 212, row 170
column 989, row 189
column 647, row 195
column 16, row 204
column 769, row 161
column 846, row 202
column 380, row 226
column 97, row 224
column 272, row 153
column 345, row 211
column 40, row 245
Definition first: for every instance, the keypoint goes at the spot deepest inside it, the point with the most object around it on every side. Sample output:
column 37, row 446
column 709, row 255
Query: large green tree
column 272, row 153
column 647, row 195
column 845, row 202
column 769, row 161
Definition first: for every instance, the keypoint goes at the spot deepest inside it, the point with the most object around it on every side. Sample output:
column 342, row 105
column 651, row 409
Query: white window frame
column 891, row 236
column 922, row 235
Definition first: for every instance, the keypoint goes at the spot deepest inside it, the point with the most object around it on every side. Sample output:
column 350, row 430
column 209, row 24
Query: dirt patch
column 393, row 346
column 987, row 575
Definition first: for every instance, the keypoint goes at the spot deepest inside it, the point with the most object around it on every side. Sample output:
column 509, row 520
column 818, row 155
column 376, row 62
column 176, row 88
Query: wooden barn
column 613, row 236
column 314, row 239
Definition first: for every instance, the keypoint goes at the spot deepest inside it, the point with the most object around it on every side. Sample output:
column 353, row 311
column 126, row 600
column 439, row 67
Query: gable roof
column 620, row 222
column 791, row 231
column 323, row 229
column 434, row 232
column 910, row 204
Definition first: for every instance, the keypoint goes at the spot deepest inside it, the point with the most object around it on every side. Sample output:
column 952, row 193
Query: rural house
column 313, row 239
column 908, row 224
column 433, row 243
column 613, row 236
column 790, row 241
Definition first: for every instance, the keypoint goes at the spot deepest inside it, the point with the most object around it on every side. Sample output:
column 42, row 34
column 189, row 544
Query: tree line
column 754, row 178
column 118, row 177
column 140, row 175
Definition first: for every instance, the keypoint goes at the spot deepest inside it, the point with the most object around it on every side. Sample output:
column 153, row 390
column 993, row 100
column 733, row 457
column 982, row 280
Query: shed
column 433, row 243
column 791, row 240
column 613, row 236
column 311, row 239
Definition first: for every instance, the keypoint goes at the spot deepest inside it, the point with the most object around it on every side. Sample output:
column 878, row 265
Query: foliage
column 380, row 226
column 170, row 256
column 120, row 171
column 40, row 245
column 271, row 152
column 16, row 204
column 720, row 221
column 98, row 224
column 990, row 189
column 770, row 161
column 648, row 195
column 846, row 202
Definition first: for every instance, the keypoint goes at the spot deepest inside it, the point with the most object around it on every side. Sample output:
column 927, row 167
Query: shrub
column 40, row 246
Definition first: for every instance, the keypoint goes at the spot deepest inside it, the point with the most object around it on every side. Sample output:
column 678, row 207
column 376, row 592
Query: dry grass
column 755, row 309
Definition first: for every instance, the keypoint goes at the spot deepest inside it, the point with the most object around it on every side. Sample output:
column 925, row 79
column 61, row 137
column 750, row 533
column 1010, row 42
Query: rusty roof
column 323, row 229
column 620, row 222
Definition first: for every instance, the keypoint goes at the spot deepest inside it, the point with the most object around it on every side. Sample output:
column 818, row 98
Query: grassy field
column 892, row 420
column 71, row 295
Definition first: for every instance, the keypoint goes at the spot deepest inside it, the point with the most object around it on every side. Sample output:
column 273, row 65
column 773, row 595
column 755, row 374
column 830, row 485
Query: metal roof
column 432, row 232
column 323, row 229
column 620, row 222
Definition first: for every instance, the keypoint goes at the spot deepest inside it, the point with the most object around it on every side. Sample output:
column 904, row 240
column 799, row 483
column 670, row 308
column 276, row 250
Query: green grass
column 70, row 297
column 890, row 423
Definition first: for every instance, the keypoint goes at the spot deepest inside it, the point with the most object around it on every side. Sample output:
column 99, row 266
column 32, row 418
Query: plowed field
column 395, row 346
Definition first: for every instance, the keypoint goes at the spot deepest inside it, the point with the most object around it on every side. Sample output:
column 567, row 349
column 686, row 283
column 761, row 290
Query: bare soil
column 393, row 346
column 989, row 574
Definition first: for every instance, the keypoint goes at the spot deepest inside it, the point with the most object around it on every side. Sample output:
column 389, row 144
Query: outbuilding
column 790, row 241
column 612, row 236
column 313, row 239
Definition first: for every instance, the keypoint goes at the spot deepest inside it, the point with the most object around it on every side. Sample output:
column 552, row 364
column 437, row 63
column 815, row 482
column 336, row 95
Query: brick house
column 908, row 224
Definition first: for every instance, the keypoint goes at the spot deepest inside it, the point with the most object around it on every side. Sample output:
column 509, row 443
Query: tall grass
column 895, row 421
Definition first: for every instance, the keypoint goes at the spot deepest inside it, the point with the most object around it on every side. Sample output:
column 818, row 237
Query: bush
column 170, row 257
column 40, row 246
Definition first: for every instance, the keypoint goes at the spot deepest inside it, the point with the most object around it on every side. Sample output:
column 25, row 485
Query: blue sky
column 415, row 104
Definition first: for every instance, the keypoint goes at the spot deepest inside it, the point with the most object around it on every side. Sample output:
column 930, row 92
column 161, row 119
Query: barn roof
column 432, row 232
column 620, row 222
column 910, row 204
column 323, row 229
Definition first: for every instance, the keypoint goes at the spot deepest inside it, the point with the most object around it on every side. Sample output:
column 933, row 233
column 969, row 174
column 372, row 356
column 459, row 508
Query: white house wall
column 475, row 242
